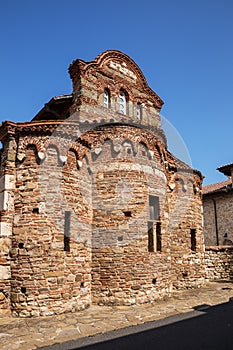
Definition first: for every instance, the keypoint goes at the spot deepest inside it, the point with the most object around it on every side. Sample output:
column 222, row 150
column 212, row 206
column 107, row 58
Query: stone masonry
column 94, row 208
column 218, row 210
column 218, row 227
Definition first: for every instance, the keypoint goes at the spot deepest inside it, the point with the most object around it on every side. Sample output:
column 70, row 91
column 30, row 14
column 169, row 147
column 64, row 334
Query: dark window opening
column 67, row 231
column 23, row 290
column 21, row 245
column 184, row 275
column 154, row 280
column 120, row 238
column 158, row 237
column 193, row 239
column 127, row 213
column 82, row 284
column 35, row 210
column 150, row 237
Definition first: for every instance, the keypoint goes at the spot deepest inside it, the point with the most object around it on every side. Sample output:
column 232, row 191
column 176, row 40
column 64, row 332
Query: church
column 94, row 208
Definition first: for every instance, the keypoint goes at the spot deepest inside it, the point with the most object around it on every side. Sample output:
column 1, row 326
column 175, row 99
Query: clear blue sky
column 184, row 48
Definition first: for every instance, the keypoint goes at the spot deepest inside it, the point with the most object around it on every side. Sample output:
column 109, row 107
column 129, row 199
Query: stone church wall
column 99, row 211
column 50, row 267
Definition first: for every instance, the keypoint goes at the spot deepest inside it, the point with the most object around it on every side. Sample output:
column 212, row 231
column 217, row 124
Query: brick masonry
column 75, row 200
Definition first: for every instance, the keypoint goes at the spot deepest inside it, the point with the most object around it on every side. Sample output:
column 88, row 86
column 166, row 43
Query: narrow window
column 139, row 111
column 154, row 225
column 67, row 231
column 193, row 239
column 154, row 207
column 158, row 237
column 123, row 102
column 106, row 98
column 150, row 237
column 154, row 236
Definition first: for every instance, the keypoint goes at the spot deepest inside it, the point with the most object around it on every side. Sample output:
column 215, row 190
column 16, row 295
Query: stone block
column 5, row 272
column 54, row 274
column 5, row 229
column 5, row 244
column 9, row 182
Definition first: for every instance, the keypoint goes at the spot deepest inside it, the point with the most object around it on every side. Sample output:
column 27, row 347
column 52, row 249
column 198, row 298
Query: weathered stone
column 101, row 210
column 5, row 272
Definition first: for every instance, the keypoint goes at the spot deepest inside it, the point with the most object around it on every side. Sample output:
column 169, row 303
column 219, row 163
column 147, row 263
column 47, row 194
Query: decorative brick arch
column 96, row 138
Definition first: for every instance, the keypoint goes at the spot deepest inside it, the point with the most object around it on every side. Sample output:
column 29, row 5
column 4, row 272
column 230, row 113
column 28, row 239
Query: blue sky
column 184, row 48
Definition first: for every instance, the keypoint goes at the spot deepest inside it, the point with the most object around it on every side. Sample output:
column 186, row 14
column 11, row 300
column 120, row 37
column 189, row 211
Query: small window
column 67, row 231
column 123, row 102
column 158, row 237
column 139, row 111
column 154, row 226
column 106, row 98
column 154, row 207
column 154, row 236
column 150, row 237
column 193, row 239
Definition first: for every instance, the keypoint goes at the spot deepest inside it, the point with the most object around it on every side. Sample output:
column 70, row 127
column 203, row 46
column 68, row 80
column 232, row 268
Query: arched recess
column 52, row 155
column 29, row 154
column 27, row 143
column 143, row 150
column 128, row 148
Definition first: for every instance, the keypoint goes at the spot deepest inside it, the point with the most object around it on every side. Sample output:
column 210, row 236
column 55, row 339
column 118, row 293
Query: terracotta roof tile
column 226, row 169
column 216, row 187
column 226, row 165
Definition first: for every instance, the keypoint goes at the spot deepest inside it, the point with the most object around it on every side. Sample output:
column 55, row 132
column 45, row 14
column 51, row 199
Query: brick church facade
column 94, row 208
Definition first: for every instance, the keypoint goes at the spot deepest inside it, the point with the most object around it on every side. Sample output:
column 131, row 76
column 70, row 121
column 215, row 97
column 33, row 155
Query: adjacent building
column 218, row 210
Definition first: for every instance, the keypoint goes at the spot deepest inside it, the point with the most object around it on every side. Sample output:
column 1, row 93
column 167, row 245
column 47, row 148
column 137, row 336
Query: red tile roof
column 217, row 187
column 226, row 169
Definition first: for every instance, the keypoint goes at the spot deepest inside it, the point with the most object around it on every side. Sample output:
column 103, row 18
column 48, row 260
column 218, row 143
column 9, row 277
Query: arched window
column 123, row 102
column 139, row 111
column 106, row 98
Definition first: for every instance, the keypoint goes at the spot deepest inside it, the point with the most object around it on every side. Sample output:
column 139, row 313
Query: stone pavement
column 33, row 333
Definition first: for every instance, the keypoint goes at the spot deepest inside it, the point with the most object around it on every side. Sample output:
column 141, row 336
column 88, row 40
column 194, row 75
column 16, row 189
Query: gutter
column 216, row 221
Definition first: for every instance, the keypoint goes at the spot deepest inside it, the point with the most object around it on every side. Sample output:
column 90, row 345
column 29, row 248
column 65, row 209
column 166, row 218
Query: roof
column 217, row 187
column 57, row 108
column 226, row 169
column 180, row 165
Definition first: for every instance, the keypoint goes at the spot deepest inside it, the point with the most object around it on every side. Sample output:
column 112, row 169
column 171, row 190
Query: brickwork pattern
column 78, row 201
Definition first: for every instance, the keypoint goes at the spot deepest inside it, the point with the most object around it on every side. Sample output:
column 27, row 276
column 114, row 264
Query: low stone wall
column 219, row 262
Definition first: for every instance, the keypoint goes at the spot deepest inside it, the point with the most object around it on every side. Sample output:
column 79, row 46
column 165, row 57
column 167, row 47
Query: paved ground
column 33, row 333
